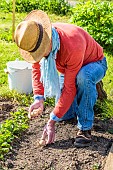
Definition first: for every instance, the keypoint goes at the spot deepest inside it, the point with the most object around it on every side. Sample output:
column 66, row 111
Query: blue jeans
column 85, row 99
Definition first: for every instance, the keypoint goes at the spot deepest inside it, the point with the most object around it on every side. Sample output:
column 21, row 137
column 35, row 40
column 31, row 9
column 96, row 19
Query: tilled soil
column 6, row 107
column 62, row 155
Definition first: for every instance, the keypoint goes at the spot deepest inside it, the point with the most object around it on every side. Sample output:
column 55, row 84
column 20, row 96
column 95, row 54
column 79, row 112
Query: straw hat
column 33, row 36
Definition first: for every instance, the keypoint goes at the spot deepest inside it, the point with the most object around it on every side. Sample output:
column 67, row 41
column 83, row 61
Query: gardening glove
column 36, row 108
column 48, row 134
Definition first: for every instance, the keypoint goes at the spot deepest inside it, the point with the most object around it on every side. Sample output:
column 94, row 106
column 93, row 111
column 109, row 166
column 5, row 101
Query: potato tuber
column 41, row 143
column 35, row 113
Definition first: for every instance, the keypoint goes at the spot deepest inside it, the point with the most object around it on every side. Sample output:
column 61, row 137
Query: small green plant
column 96, row 167
column 21, row 99
column 11, row 129
column 49, row 102
column 96, row 17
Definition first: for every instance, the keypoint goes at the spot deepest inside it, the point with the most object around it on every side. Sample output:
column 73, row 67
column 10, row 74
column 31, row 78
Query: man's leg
column 86, row 81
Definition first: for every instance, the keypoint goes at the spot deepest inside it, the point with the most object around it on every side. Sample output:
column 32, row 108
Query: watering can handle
column 6, row 71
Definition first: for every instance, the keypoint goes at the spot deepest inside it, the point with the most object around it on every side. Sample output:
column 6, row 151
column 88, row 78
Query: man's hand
column 49, row 132
column 37, row 105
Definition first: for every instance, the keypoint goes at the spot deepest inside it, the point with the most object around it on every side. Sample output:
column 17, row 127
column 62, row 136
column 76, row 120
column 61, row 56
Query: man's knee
column 82, row 78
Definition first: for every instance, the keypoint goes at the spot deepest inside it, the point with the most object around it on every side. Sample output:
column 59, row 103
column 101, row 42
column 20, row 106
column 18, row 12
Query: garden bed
column 6, row 106
column 62, row 155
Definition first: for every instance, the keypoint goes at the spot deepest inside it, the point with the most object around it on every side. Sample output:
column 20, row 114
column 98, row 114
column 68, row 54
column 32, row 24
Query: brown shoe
column 83, row 138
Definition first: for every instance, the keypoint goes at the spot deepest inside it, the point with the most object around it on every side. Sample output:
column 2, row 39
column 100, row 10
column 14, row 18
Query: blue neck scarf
column 49, row 75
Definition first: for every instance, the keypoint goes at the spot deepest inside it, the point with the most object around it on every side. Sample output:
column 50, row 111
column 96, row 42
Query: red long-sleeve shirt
column 77, row 48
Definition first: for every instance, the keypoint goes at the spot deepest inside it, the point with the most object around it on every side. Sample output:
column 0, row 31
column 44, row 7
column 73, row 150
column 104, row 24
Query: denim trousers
column 86, row 96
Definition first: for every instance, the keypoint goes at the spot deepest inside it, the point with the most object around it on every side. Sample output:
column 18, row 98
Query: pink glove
column 36, row 104
column 49, row 132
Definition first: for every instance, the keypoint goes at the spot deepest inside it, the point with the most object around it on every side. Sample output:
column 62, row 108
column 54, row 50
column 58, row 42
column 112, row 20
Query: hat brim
column 42, row 18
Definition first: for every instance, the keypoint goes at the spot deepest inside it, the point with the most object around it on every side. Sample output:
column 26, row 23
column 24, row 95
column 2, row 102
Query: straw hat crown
column 33, row 36
column 27, row 34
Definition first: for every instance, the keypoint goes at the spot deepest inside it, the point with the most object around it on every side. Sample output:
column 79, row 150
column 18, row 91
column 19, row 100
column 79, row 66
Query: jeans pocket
column 103, row 62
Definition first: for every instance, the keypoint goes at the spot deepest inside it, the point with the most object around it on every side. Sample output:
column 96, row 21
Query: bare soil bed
column 62, row 155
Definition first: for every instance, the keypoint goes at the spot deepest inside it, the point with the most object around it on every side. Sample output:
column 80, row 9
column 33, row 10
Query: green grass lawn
column 9, row 51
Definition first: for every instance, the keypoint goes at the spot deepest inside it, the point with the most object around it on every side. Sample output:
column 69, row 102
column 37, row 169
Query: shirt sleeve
column 54, row 117
column 37, row 85
column 74, row 63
